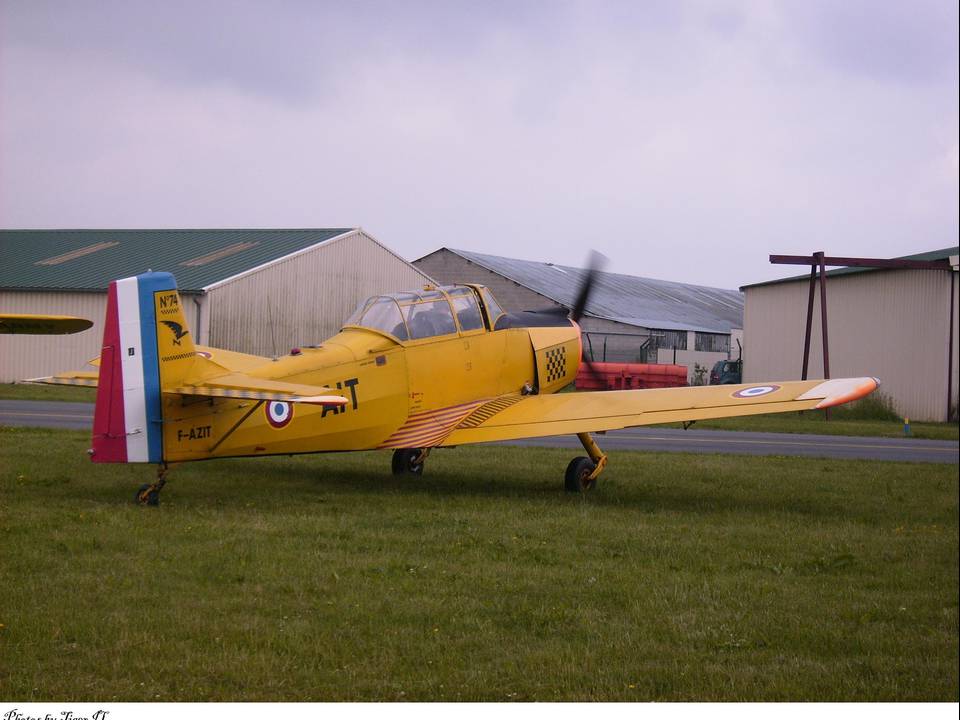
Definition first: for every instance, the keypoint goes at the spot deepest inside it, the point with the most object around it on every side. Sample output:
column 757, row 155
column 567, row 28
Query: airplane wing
column 516, row 417
column 17, row 324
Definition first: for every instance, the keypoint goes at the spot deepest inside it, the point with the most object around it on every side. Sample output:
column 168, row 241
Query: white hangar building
column 899, row 325
column 627, row 318
column 255, row 291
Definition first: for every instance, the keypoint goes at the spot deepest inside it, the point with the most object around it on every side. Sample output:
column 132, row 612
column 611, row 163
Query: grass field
column 324, row 578
column 53, row 393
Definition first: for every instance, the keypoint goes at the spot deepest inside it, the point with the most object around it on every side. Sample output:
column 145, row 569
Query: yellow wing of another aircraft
column 15, row 324
column 516, row 417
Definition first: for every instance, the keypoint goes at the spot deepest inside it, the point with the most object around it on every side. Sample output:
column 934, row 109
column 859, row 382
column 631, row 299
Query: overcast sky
column 685, row 140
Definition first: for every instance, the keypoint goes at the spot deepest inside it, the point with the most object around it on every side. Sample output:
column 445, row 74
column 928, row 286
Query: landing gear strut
column 149, row 493
column 409, row 461
column 582, row 472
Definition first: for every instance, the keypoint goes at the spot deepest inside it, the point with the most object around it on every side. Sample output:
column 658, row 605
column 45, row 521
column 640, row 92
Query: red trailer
column 627, row 376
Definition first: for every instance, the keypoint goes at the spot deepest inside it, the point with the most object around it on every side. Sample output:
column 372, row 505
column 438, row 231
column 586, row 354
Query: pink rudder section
column 109, row 426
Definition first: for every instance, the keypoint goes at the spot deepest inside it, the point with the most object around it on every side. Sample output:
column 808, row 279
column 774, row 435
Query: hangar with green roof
column 256, row 291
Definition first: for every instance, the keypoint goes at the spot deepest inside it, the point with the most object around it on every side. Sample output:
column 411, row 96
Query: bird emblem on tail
column 178, row 331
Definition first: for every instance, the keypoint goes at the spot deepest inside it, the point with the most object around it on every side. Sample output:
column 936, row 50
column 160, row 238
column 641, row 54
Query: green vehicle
column 727, row 372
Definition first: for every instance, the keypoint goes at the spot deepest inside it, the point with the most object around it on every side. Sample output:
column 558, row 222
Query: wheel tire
column 405, row 462
column 576, row 478
column 153, row 497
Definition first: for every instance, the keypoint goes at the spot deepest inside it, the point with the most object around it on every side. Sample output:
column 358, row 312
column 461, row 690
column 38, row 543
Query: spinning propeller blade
column 595, row 264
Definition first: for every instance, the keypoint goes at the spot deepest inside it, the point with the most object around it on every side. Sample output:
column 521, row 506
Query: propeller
column 595, row 264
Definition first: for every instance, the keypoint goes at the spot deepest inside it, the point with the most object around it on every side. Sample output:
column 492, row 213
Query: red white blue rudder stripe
column 128, row 419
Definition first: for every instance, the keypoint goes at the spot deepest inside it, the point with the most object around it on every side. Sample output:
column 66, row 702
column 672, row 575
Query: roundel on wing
column 279, row 414
column 756, row 391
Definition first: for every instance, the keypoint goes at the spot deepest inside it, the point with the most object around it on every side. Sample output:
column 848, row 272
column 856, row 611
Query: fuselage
column 410, row 374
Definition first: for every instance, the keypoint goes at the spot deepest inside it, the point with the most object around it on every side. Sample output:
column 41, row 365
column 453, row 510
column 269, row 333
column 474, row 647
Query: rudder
column 146, row 346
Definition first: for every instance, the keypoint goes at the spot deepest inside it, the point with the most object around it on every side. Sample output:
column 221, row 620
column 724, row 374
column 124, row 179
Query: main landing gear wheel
column 582, row 472
column 577, row 478
column 408, row 461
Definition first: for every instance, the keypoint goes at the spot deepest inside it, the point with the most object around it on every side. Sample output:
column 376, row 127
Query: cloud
column 685, row 140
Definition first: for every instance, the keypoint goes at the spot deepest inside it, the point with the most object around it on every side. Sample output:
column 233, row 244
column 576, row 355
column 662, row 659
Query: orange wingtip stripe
column 858, row 391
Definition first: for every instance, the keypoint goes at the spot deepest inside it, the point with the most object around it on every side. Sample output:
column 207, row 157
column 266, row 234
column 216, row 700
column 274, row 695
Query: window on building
column 668, row 339
column 712, row 342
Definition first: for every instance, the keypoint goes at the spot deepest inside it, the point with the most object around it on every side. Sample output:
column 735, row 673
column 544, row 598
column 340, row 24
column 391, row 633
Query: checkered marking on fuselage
column 556, row 363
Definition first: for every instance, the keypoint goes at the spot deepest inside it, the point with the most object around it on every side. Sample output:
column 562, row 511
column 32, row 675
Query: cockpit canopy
column 434, row 312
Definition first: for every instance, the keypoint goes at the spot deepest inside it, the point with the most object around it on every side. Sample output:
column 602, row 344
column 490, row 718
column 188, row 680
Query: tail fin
column 146, row 347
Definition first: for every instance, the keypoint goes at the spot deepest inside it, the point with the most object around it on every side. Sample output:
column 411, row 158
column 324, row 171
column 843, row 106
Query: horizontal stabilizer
column 82, row 378
column 237, row 385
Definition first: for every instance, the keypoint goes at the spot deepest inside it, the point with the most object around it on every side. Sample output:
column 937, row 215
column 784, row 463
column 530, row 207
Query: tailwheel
column 149, row 493
column 409, row 461
column 580, row 475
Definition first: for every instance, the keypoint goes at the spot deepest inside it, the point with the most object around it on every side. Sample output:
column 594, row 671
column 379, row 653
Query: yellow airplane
column 17, row 324
column 409, row 372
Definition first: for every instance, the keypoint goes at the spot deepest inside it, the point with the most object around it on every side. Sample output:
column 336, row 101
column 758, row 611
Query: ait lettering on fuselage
column 351, row 384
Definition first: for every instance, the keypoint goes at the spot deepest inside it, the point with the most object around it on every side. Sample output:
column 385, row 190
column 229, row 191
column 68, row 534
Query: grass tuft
column 876, row 406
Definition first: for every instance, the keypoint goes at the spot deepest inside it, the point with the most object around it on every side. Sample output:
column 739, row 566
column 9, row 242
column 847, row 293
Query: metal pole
column 806, row 339
column 823, row 320
column 823, row 317
column 953, row 290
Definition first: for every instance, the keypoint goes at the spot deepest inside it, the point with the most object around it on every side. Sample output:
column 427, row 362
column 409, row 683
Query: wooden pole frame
column 818, row 262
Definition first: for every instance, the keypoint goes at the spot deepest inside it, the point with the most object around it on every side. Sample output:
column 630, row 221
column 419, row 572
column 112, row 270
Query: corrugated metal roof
column 943, row 254
column 642, row 302
column 90, row 259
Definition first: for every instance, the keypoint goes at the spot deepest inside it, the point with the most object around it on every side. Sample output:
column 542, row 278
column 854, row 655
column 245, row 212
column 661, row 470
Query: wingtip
column 859, row 388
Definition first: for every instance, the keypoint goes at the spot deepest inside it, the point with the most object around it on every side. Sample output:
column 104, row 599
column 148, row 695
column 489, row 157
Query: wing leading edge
column 571, row 413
